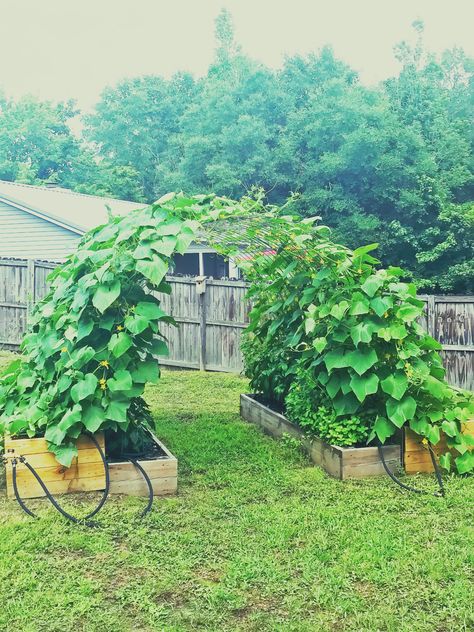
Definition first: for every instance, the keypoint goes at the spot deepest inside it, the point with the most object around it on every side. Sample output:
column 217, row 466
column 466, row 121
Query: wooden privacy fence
column 22, row 284
column 450, row 320
column 212, row 314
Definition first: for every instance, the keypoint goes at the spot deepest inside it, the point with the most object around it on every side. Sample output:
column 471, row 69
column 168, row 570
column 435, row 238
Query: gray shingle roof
column 77, row 211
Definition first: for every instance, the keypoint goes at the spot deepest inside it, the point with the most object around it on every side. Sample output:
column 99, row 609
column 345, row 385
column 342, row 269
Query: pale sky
column 60, row 49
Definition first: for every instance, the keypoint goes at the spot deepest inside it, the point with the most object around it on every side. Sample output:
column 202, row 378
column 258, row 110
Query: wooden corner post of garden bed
column 162, row 471
column 416, row 455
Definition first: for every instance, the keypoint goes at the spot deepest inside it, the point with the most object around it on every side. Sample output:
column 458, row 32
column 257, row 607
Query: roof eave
column 41, row 214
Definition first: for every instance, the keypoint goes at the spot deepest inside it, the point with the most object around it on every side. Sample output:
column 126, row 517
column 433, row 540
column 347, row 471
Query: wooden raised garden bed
column 87, row 471
column 416, row 456
column 342, row 463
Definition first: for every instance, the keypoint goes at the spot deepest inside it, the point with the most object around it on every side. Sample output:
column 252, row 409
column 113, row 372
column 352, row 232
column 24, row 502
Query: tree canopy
column 390, row 163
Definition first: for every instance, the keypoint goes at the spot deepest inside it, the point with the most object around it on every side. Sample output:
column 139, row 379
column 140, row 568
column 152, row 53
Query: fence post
column 30, row 287
column 201, row 293
column 431, row 315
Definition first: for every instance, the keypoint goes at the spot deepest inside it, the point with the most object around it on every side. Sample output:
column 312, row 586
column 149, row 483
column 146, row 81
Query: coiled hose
column 87, row 519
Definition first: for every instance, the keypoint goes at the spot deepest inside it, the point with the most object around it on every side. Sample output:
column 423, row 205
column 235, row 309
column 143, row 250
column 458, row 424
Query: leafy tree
column 391, row 164
column 228, row 135
column 36, row 141
column 387, row 164
column 134, row 123
column 100, row 177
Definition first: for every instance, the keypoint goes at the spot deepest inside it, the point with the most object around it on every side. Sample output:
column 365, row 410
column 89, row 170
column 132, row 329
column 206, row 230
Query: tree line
column 391, row 164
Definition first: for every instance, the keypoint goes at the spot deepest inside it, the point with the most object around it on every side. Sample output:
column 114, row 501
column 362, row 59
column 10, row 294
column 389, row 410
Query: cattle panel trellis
column 211, row 315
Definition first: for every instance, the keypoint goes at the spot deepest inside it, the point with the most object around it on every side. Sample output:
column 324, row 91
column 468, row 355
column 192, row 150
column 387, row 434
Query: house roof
column 75, row 211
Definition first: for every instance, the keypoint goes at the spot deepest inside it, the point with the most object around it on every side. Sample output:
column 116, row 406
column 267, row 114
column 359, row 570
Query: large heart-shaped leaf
column 383, row 428
column 122, row 381
column 363, row 385
column 362, row 359
column 84, row 388
column 433, row 434
column 93, row 417
column 117, row 410
column 136, row 324
column 420, row 425
column 345, row 404
column 381, row 305
column 120, row 343
column 445, row 460
column 149, row 310
column 184, row 239
column 436, row 388
column 159, row 348
column 361, row 333
column 371, row 285
column 56, row 433
column 165, row 246
column 146, row 372
column 339, row 310
column 359, row 304
column 409, row 312
column 395, row 385
column 336, row 359
column 465, row 462
column 401, row 411
column 154, row 270
column 105, row 295
column 26, row 380
column 65, row 453
column 170, row 227
column 143, row 251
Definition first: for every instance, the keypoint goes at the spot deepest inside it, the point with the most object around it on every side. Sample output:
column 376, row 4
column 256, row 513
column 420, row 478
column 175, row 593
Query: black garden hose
column 17, row 494
column 439, row 477
column 147, row 481
column 409, row 488
column 107, row 478
column 86, row 520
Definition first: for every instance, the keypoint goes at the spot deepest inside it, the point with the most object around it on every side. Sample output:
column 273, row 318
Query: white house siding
column 25, row 236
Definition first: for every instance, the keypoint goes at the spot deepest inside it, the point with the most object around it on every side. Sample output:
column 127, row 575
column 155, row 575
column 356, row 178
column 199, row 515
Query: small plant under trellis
column 332, row 338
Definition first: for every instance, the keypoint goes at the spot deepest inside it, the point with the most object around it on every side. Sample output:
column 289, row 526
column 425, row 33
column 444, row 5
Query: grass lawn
column 255, row 540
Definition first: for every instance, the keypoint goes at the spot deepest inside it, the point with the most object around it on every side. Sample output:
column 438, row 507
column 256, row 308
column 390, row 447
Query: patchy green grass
column 256, row 540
